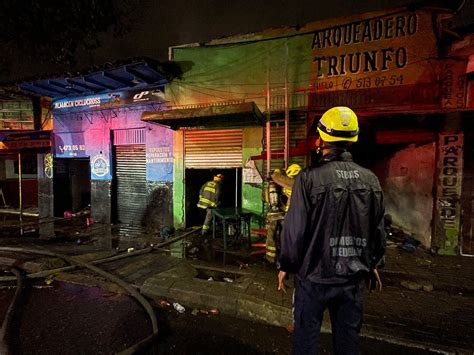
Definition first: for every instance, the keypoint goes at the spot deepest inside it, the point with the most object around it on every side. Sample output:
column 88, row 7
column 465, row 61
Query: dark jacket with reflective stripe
column 334, row 227
column 209, row 194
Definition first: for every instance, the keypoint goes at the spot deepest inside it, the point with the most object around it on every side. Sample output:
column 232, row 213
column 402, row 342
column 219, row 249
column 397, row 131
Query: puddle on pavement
column 209, row 274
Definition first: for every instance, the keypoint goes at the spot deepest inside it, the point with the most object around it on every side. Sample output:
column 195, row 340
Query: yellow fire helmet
column 218, row 177
column 293, row 170
column 339, row 124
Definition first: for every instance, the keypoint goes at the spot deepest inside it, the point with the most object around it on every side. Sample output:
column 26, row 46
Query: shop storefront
column 104, row 157
column 209, row 140
column 22, row 140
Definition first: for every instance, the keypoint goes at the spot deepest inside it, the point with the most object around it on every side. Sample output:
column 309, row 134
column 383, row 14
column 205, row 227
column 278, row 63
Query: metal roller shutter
column 213, row 149
column 130, row 169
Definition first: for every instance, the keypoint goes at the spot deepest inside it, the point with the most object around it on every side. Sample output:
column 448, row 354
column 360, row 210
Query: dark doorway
column 72, row 185
column 195, row 178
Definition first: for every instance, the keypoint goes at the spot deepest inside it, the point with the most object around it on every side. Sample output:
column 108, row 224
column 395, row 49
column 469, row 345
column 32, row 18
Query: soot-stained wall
column 88, row 134
column 408, row 188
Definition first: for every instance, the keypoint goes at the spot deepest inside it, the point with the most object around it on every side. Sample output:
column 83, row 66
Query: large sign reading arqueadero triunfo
column 384, row 51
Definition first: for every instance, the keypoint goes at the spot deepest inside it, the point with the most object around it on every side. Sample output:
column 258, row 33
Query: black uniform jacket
column 334, row 228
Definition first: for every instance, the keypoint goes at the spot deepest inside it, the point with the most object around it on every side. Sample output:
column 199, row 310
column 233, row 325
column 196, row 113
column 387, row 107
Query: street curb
column 394, row 278
column 415, row 345
column 208, row 295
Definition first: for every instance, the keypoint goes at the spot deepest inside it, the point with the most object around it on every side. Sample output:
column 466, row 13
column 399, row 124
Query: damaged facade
column 395, row 69
column 102, row 154
column 24, row 133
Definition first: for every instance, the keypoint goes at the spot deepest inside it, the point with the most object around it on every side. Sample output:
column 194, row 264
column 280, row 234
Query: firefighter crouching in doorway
column 275, row 215
column 208, row 199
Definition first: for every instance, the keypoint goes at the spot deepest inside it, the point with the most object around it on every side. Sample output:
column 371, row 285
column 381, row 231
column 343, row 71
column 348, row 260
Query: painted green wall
column 240, row 71
column 178, row 180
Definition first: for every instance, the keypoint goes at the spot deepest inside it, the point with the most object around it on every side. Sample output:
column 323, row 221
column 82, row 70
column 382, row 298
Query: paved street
column 440, row 319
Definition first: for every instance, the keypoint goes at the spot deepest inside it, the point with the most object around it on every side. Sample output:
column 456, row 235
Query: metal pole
column 268, row 127
column 20, row 195
column 236, row 187
column 287, row 113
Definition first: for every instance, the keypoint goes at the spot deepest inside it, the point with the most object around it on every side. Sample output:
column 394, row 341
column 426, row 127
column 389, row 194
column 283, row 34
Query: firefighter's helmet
column 338, row 124
column 218, row 177
column 293, row 170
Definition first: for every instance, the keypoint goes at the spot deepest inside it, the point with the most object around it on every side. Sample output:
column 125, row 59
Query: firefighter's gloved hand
column 373, row 281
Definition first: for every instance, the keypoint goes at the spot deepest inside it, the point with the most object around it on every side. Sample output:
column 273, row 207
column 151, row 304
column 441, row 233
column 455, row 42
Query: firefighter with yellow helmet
column 275, row 216
column 333, row 237
column 209, row 198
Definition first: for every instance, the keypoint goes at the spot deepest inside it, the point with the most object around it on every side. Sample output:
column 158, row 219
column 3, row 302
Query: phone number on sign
column 371, row 82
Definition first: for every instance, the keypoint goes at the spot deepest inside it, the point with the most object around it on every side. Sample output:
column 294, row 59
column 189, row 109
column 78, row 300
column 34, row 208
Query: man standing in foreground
column 333, row 237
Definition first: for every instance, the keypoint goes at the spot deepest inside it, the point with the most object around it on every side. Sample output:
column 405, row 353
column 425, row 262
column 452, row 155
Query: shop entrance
column 231, row 194
column 130, row 184
column 72, row 185
column 207, row 153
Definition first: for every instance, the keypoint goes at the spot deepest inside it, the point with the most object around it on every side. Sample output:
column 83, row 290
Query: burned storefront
column 104, row 156
column 410, row 98
column 210, row 139
column 24, row 137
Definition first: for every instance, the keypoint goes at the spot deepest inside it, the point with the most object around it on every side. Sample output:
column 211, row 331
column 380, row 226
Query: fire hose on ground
column 89, row 265
column 7, row 321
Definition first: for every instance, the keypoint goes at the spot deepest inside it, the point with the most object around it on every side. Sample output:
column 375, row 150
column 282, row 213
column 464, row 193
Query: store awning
column 14, row 140
column 227, row 114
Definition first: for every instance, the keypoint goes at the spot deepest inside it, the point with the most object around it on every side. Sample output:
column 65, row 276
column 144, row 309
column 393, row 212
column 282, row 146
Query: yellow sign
column 384, row 51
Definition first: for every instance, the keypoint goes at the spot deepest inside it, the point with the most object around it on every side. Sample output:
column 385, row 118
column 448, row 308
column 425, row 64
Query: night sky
column 158, row 24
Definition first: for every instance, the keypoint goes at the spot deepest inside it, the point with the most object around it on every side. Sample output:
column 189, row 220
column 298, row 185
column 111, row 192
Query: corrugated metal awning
column 227, row 114
column 137, row 75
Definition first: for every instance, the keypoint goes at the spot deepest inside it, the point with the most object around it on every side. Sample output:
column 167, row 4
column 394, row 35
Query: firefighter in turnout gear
column 275, row 216
column 209, row 199
column 333, row 238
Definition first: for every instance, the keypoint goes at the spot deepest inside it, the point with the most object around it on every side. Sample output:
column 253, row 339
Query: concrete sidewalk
column 440, row 319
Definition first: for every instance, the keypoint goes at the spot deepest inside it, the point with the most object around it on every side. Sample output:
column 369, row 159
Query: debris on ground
column 193, row 250
column 428, row 287
column 417, row 285
column 410, row 245
column 242, row 265
column 214, row 312
column 166, row 232
column 396, row 236
column 89, row 221
column 195, row 312
column 179, row 307
column 210, row 279
column 227, row 279
column 164, row 303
